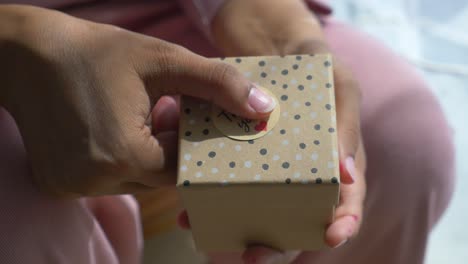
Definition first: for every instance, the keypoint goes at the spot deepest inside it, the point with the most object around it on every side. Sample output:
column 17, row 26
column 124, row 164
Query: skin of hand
column 278, row 27
column 84, row 95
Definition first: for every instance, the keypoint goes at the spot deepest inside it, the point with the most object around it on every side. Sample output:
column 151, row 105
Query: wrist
column 304, row 37
column 266, row 27
column 309, row 45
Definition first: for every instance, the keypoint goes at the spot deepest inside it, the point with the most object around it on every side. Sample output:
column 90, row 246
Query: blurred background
column 433, row 36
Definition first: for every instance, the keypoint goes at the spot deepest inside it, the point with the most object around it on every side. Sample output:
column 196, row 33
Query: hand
column 280, row 27
column 82, row 95
column 348, row 214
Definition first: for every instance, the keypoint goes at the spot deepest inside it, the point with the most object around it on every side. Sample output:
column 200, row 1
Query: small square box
column 279, row 189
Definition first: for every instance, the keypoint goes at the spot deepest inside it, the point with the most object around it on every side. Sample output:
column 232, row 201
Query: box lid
column 300, row 149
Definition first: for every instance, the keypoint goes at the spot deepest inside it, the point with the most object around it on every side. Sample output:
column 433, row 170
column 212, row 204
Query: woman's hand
column 278, row 27
column 82, row 95
column 348, row 214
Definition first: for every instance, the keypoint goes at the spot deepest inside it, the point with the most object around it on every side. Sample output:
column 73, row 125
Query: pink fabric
column 36, row 228
column 408, row 143
column 202, row 12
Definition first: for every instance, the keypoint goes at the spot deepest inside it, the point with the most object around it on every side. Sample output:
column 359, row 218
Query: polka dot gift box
column 273, row 181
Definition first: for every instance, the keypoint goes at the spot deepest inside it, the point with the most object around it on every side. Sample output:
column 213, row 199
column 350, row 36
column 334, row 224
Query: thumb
column 348, row 99
column 179, row 71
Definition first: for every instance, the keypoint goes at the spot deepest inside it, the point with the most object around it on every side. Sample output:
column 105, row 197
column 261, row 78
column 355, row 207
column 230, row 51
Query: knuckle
column 157, row 46
column 353, row 133
column 156, row 55
column 222, row 74
column 136, row 159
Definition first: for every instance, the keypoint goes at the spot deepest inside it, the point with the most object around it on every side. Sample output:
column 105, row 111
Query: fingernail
column 351, row 167
column 260, row 101
column 341, row 243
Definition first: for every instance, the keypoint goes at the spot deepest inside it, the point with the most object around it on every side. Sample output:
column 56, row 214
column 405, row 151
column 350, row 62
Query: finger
column 176, row 70
column 265, row 255
column 348, row 100
column 154, row 158
column 165, row 115
column 155, row 152
column 340, row 231
column 348, row 214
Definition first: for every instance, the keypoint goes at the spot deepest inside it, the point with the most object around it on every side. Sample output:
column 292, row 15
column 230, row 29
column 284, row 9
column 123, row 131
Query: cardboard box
column 279, row 189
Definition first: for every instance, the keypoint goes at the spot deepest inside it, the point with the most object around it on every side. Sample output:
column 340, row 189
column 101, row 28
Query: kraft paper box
column 273, row 182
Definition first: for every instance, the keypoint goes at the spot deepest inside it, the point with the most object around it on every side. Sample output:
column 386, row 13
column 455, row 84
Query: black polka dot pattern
column 297, row 150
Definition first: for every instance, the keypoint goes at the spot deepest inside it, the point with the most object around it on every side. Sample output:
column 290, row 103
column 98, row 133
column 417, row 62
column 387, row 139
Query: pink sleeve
column 202, row 12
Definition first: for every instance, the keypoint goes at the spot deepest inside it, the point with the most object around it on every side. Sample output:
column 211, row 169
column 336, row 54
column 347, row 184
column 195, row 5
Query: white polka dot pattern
column 300, row 149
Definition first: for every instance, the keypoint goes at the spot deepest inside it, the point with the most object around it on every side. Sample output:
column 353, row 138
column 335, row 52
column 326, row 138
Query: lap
column 37, row 228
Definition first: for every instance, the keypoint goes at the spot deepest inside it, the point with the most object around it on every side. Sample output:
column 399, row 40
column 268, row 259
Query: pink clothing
column 36, row 228
column 408, row 144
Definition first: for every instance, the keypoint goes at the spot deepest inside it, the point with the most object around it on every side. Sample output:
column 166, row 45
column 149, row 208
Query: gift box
column 273, row 182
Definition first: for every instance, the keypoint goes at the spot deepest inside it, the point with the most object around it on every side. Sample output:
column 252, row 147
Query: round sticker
column 240, row 128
